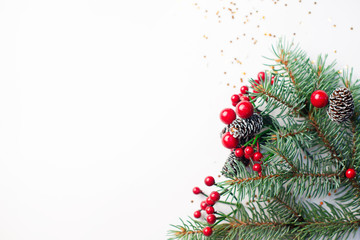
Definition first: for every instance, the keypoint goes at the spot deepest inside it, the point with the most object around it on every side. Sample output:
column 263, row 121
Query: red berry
column 350, row 173
column 196, row 190
column 203, row 205
column 253, row 97
column 211, row 219
column 244, row 89
column 257, row 156
column 249, row 151
column 319, row 98
column 207, row 231
column 261, row 76
column 197, row 214
column 227, row 115
column 260, row 174
column 229, row 141
column 256, row 167
column 247, row 156
column 245, row 98
column 210, row 210
column 209, row 181
column 244, row 109
column 239, row 152
column 209, row 202
column 215, row 196
column 235, row 98
column 272, row 80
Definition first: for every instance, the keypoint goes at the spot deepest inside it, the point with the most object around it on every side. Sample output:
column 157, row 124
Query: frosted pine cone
column 341, row 106
column 245, row 129
column 230, row 168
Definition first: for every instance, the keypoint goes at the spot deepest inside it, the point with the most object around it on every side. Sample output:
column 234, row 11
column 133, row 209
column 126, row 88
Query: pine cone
column 231, row 163
column 341, row 106
column 245, row 129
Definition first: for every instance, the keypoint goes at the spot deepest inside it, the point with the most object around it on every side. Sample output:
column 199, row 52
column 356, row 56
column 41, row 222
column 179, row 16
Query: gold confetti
column 351, row 28
column 225, row 73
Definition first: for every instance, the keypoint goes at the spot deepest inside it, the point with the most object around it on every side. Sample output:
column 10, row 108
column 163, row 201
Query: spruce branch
column 327, row 222
column 324, row 138
column 277, row 98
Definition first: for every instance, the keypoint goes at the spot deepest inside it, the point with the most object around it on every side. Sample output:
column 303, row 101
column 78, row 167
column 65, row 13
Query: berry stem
column 257, row 137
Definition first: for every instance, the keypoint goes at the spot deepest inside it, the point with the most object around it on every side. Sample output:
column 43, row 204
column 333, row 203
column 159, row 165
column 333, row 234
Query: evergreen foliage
column 305, row 155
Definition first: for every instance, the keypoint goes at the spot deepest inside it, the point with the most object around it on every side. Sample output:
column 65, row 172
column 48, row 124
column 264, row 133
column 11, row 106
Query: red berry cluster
column 207, row 205
column 248, row 153
column 243, row 109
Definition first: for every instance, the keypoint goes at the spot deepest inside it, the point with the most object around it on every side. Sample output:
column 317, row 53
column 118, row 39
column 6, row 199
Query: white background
column 109, row 109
